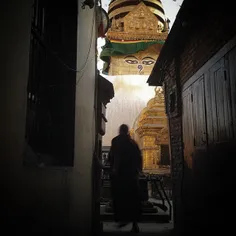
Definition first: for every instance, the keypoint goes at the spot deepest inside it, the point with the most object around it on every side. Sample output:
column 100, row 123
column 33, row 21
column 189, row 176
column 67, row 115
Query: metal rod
column 168, row 201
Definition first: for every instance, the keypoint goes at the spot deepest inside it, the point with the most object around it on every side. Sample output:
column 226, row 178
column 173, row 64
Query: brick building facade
column 196, row 67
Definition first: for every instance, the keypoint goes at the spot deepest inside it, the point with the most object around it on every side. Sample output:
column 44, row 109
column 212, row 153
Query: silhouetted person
column 126, row 164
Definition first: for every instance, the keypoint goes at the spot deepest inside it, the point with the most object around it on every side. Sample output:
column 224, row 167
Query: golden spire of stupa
column 137, row 20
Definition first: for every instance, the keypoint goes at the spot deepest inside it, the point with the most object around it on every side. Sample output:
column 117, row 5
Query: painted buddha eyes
column 147, row 61
column 129, row 61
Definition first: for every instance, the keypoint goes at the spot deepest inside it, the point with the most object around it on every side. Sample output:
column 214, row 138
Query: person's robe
column 126, row 163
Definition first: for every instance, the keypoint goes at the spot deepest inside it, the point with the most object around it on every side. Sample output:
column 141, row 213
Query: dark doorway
column 165, row 157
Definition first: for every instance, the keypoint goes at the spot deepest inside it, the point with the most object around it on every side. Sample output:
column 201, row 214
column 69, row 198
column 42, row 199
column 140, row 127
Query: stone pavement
column 145, row 229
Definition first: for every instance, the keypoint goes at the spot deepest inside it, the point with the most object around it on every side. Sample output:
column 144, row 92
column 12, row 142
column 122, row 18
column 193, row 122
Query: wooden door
column 218, row 104
column 198, row 114
column 232, row 86
column 188, row 132
column 194, row 119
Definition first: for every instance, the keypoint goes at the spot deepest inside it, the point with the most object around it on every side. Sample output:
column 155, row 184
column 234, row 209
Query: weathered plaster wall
column 34, row 199
column 81, row 184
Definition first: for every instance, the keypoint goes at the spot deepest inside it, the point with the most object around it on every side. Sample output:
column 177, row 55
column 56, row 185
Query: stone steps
column 154, row 215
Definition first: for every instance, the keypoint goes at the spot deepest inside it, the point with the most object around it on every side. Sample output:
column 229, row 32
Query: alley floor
column 146, row 229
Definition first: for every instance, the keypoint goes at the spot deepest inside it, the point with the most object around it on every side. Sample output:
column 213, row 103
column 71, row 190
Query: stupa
column 137, row 31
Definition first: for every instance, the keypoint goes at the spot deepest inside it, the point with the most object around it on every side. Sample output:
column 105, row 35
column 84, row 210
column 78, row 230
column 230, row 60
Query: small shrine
column 150, row 131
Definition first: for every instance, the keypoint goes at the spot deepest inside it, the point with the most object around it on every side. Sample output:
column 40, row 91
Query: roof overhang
column 190, row 17
column 106, row 90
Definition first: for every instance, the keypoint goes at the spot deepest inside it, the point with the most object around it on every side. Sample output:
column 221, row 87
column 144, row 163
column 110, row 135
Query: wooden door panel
column 199, row 118
column 220, row 103
column 187, row 120
column 211, row 134
column 232, row 85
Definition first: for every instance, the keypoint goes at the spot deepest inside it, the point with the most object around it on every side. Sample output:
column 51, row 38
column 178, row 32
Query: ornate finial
column 159, row 94
column 158, row 90
column 166, row 25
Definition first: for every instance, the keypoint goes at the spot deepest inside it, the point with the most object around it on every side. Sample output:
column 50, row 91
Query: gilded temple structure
column 150, row 131
column 138, row 29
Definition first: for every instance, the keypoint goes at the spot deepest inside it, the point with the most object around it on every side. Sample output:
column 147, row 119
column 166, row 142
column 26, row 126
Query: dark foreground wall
column 201, row 103
column 43, row 199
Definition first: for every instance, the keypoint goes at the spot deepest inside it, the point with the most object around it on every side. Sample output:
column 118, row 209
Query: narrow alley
column 74, row 71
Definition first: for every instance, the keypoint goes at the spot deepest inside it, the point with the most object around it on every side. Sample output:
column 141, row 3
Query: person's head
column 124, row 129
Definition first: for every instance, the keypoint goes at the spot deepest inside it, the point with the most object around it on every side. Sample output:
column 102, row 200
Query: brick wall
column 177, row 165
column 175, row 129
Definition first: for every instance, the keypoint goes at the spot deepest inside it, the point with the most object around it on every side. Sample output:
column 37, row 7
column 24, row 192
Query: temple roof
column 120, row 8
column 153, row 115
